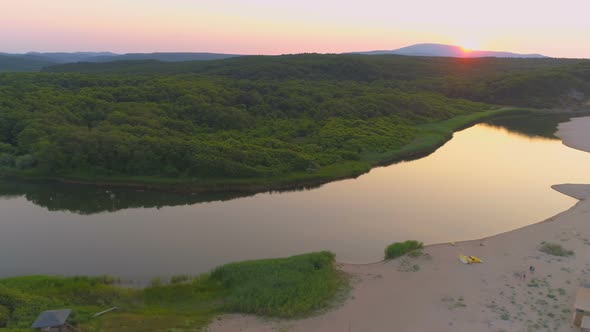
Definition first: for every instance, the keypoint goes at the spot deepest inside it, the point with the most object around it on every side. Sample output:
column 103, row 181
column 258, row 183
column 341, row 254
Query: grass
column 505, row 316
column 401, row 248
column 285, row 287
column 555, row 249
column 280, row 287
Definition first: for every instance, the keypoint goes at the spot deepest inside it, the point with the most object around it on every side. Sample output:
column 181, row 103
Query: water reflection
column 540, row 125
column 88, row 199
column 485, row 181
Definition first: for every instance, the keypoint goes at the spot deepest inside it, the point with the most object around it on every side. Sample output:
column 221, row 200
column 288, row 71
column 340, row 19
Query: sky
column 560, row 29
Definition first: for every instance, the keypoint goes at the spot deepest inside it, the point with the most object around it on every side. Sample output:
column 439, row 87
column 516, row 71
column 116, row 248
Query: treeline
column 506, row 81
column 89, row 199
column 253, row 117
column 193, row 126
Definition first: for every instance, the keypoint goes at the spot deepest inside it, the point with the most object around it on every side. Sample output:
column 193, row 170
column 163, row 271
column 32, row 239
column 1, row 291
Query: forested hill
column 523, row 82
column 321, row 66
column 11, row 63
column 257, row 120
column 35, row 61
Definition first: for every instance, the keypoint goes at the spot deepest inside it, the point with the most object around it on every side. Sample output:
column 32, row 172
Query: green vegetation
column 306, row 283
column 555, row 249
column 254, row 123
column 287, row 287
column 542, row 124
column 517, row 82
column 4, row 316
column 401, row 248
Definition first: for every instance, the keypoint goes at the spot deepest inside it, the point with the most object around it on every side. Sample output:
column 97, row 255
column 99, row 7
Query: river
column 487, row 180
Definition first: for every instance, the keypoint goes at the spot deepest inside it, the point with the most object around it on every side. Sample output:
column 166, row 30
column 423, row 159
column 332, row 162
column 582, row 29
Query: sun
column 469, row 46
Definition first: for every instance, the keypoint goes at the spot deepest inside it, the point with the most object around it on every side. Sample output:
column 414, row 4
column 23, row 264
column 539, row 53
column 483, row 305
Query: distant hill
column 162, row 56
column 35, row 61
column 441, row 50
column 342, row 67
column 18, row 63
column 65, row 57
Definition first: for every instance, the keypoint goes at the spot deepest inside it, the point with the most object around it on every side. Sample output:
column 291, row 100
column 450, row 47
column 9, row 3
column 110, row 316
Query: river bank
column 428, row 139
column 501, row 294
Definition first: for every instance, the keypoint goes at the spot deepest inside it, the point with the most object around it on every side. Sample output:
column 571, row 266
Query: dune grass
column 284, row 287
column 399, row 249
column 555, row 249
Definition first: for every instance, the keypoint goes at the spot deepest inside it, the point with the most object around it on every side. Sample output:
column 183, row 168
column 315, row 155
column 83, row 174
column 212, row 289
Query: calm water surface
column 485, row 181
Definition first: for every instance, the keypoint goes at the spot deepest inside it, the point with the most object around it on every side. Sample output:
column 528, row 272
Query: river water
column 488, row 179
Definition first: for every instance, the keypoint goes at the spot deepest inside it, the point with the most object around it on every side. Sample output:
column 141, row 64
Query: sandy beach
column 573, row 136
column 436, row 292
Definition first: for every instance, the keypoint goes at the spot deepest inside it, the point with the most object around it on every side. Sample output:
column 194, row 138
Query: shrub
column 555, row 249
column 24, row 162
column 4, row 315
column 6, row 148
column 6, row 160
column 401, row 248
column 178, row 279
column 156, row 282
column 23, row 307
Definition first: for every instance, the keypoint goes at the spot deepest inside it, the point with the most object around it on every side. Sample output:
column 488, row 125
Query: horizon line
column 287, row 53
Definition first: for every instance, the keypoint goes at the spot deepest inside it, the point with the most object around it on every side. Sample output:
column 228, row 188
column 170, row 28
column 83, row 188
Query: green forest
column 268, row 121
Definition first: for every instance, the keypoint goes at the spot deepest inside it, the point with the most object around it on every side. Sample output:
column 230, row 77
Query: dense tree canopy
column 253, row 116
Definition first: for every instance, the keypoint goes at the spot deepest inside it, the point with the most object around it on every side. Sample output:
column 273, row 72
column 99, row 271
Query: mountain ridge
column 444, row 50
column 36, row 61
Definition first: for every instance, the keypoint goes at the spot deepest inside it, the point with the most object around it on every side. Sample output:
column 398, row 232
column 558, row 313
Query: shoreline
column 571, row 135
column 466, row 298
column 396, row 287
column 430, row 137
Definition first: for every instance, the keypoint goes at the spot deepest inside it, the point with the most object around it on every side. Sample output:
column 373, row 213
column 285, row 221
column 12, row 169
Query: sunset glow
column 470, row 46
column 277, row 27
column 466, row 50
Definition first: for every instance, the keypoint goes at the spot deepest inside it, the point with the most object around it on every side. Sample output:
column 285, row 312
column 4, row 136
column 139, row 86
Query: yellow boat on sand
column 469, row 259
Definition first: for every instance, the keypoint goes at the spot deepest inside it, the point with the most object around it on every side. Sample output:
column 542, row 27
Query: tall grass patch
column 282, row 287
column 285, row 287
column 398, row 249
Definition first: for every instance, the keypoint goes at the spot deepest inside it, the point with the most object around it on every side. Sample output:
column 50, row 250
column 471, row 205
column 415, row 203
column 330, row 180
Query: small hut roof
column 51, row 318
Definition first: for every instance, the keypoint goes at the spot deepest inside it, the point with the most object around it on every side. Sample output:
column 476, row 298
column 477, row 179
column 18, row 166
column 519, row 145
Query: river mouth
column 490, row 178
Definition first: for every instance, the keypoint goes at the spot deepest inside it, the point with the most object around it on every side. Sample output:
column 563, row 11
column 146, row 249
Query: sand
column 446, row 295
column 572, row 134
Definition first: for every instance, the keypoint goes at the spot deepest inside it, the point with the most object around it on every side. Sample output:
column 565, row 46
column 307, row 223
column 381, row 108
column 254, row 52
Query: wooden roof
column 582, row 299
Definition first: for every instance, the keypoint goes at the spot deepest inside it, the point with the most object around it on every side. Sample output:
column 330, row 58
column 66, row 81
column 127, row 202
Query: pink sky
column 553, row 28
